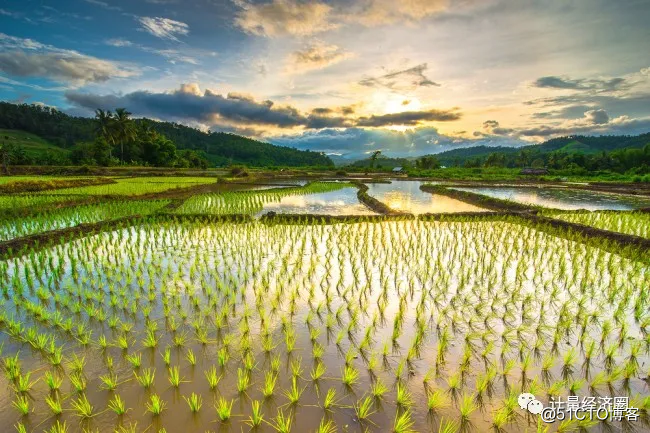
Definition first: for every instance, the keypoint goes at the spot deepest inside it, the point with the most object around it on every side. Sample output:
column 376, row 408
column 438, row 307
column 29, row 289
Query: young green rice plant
column 54, row 403
column 109, row 381
column 155, row 405
column 404, row 398
column 224, row 409
column 364, row 408
column 326, row 426
column 223, row 356
column 330, row 400
column 195, row 402
column 243, row 380
column 212, row 377
column 116, row 404
column 282, row 423
column 146, row 378
column 191, row 358
column 135, row 360
column 174, row 377
column 448, row 426
column 403, row 423
column 350, row 376
column 58, row 427
column 270, row 380
column 167, row 356
column 53, row 381
column 275, row 364
column 78, row 382
column 466, row 408
column 82, row 407
column 437, row 400
column 318, row 371
column 294, row 393
column 21, row 404
column 23, row 383
column 256, row 417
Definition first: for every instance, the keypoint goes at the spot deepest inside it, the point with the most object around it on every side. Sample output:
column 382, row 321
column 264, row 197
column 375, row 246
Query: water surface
column 405, row 195
column 567, row 199
column 340, row 202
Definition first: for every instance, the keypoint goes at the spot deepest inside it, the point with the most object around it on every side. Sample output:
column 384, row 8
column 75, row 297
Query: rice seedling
column 117, row 405
column 282, row 423
column 155, row 405
column 21, row 404
column 224, row 409
column 364, row 408
column 54, row 403
column 256, row 418
column 330, row 400
column 437, row 400
column 326, row 426
column 404, row 398
column 270, row 379
column 350, row 376
column 82, row 407
column 403, row 423
column 294, row 393
column 146, row 378
column 195, row 402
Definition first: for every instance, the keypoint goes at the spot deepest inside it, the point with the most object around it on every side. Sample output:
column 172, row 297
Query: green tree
column 124, row 129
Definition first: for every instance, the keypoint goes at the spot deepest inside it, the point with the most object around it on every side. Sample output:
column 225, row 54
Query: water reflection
column 567, row 199
column 339, row 202
column 405, row 195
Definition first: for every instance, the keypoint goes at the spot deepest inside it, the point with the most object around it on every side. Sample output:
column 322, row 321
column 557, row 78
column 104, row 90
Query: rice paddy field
column 178, row 321
column 135, row 186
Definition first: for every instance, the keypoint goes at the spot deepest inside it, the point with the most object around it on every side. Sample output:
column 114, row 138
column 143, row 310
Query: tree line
column 112, row 138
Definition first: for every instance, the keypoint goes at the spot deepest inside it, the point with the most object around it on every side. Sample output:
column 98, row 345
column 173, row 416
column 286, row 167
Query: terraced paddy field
column 182, row 318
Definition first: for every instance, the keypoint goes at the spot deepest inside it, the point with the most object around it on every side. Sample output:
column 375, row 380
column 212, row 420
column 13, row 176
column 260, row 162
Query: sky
column 347, row 78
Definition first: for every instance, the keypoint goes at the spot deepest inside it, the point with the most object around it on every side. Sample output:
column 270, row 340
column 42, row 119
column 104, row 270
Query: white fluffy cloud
column 164, row 28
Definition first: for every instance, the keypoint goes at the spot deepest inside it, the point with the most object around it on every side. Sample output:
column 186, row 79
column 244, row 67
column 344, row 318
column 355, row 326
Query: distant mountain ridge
column 571, row 144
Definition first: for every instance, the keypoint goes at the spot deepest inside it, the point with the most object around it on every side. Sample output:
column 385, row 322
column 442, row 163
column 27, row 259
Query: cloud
column 409, row 118
column 492, row 128
column 103, row 5
column 164, row 28
column 117, row 42
column 582, row 84
column 29, row 58
column 174, row 56
column 597, row 117
column 359, row 142
column 189, row 104
column 284, row 17
column 407, row 79
column 380, row 12
column 316, row 56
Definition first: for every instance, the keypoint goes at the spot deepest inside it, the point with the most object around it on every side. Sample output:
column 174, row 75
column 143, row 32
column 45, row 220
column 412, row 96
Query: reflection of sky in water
column 405, row 195
column 564, row 198
column 341, row 202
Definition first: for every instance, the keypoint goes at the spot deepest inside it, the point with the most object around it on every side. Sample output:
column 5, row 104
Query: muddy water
column 343, row 280
column 405, row 195
column 566, row 199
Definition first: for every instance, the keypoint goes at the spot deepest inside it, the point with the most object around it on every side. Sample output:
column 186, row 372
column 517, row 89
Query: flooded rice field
column 406, row 196
column 394, row 326
column 567, row 199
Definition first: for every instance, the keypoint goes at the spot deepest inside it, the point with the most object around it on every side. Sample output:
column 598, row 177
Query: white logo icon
column 535, row 407
column 524, row 399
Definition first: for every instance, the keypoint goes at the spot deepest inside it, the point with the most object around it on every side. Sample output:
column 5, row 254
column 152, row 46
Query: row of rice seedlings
column 468, row 303
column 250, row 202
column 630, row 223
column 135, row 186
column 72, row 216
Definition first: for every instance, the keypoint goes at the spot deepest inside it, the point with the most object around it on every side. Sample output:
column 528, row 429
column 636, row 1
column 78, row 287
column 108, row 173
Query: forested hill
column 571, row 145
column 68, row 132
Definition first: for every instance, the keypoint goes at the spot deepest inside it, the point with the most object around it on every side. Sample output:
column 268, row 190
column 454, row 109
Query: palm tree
column 124, row 130
column 374, row 157
column 105, row 127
